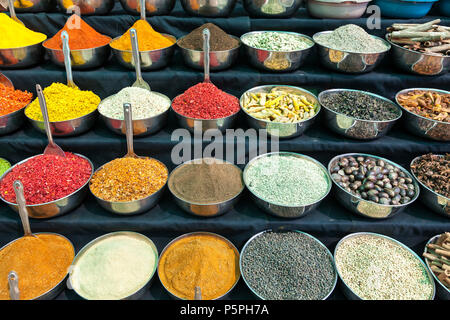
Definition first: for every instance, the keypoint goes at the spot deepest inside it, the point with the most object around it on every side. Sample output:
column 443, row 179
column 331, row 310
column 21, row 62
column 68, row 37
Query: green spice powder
column 4, row 165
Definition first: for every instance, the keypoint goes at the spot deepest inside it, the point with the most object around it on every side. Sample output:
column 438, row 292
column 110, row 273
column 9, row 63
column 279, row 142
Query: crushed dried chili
column 12, row 100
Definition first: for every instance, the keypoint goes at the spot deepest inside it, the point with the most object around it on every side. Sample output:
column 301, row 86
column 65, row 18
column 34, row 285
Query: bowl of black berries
column 358, row 114
column 371, row 186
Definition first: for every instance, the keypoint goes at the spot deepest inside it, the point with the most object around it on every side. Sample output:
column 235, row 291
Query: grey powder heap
column 144, row 103
column 277, row 41
column 351, row 38
column 288, row 266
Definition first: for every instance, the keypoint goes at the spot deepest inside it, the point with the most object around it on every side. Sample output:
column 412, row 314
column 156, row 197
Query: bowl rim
column 425, row 250
column 289, row 154
column 319, row 107
column 87, row 115
column 211, row 51
column 96, row 240
column 409, row 50
column 288, row 229
column 50, row 202
column 278, row 31
column 355, row 154
column 200, row 233
column 388, row 45
column 205, row 204
column 373, row 234
column 38, row 44
column 167, row 35
column 415, row 114
column 325, row 92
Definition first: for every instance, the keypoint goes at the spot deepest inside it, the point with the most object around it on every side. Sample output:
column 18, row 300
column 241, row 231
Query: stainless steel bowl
column 128, row 208
column 442, row 292
column 272, row 9
column 208, row 8
column 86, row 7
column 283, row 211
column 418, row 62
column 348, row 292
column 150, row 60
column 219, row 60
column 81, row 59
column 433, row 200
column 140, row 292
column 351, row 127
column 4, row 80
column 347, row 61
column 425, row 127
column 199, row 233
column 277, row 129
column 365, row 208
column 276, row 61
column 23, row 57
column 286, row 230
column 33, row 6
column 56, row 290
column 67, row 128
column 205, row 210
column 57, row 207
column 152, row 7
column 337, row 10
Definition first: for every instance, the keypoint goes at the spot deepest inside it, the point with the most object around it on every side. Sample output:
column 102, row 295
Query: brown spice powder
column 219, row 40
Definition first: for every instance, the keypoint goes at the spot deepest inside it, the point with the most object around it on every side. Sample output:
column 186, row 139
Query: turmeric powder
column 15, row 35
column 202, row 260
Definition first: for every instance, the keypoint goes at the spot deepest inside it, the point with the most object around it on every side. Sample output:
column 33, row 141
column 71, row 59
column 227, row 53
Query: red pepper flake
column 206, row 101
column 47, row 178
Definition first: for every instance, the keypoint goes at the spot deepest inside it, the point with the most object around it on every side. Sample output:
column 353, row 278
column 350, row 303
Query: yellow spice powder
column 15, row 35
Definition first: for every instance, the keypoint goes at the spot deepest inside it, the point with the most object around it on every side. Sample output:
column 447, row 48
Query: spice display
column 288, row 266
column 373, row 180
column 351, row 38
column 148, row 39
column 218, row 41
column 279, row 105
column 206, row 181
column 63, row 103
column 433, row 171
column 205, row 101
column 46, row 178
column 128, row 179
column 15, row 35
column 146, row 104
column 360, row 105
column 437, row 256
column 377, row 268
column 199, row 260
column 12, row 100
column 82, row 37
column 277, row 41
column 113, row 268
column 427, row 103
column 287, row 180
column 41, row 261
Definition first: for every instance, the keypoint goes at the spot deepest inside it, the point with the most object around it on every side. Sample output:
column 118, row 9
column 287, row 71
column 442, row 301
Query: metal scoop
column 140, row 82
column 12, row 11
column 129, row 131
column 206, row 37
column 5, row 81
column 52, row 148
column 198, row 293
column 67, row 61
column 13, row 282
column 142, row 9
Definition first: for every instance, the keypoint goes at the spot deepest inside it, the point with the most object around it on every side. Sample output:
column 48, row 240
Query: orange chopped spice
column 12, row 100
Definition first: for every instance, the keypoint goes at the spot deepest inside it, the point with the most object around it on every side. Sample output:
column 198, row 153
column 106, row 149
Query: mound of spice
column 351, row 38
column 41, row 262
column 4, row 166
column 146, row 104
column 437, row 256
column 12, row 100
column 433, row 170
column 206, row 261
column 377, row 268
column 427, row 103
column 113, row 268
column 81, row 37
column 219, row 40
column 46, row 178
column 277, row 41
column 63, row 103
column 148, row 39
column 15, row 35
column 360, row 105
column 205, row 101
column 128, row 179
column 288, row 266
column 206, row 181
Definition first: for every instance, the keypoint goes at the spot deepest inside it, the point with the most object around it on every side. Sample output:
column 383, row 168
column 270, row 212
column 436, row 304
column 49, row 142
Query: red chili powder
column 46, row 178
column 205, row 101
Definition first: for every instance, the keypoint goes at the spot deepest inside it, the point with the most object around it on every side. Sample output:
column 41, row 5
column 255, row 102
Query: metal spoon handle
column 198, row 293
column 142, row 3
column 23, row 213
column 67, row 61
column 206, row 36
column 135, row 47
column 13, row 282
column 129, row 127
column 12, row 11
column 44, row 111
